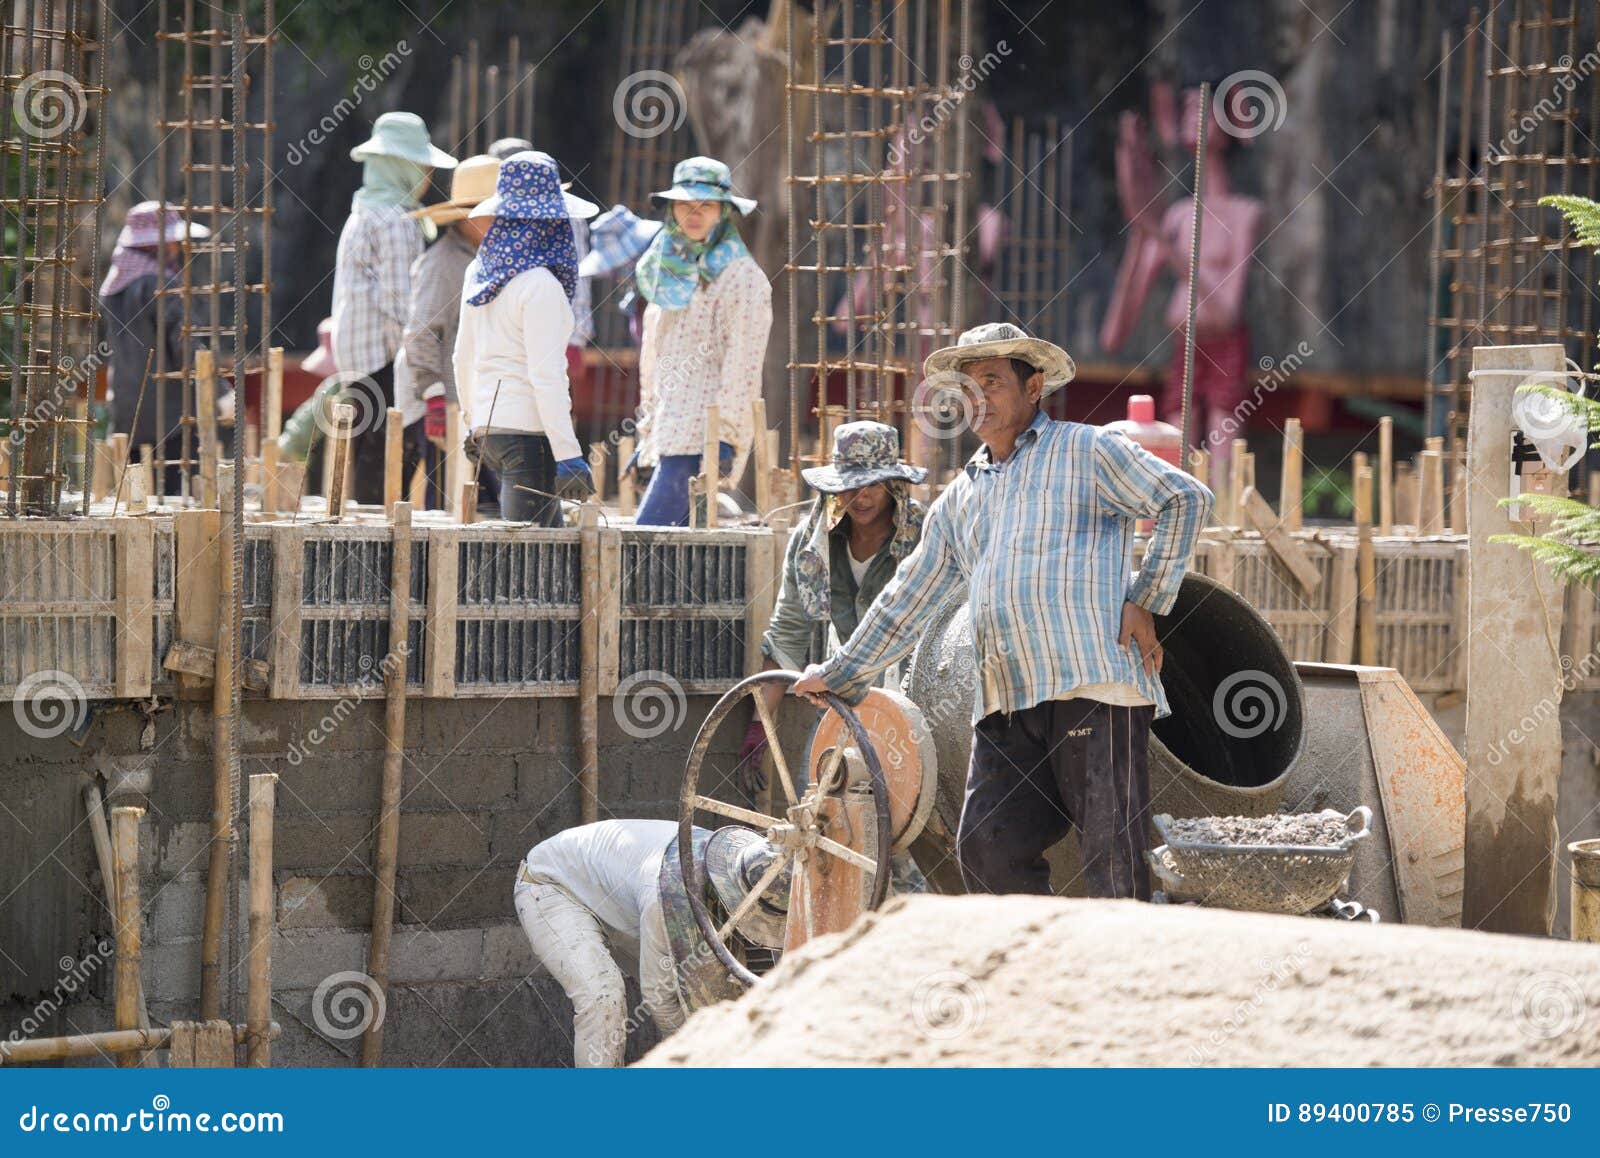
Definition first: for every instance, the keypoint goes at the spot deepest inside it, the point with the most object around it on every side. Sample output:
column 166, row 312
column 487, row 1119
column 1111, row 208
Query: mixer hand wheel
column 811, row 826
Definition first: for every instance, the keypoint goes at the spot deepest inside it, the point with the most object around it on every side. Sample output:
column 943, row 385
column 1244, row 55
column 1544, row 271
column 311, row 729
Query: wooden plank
column 589, row 661
column 344, row 416
column 213, row 1045
column 762, row 449
column 205, row 420
column 1236, row 482
column 135, row 541
column 1285, row 546
column 1405, row 495
column 1339, row 641
column 439, row 657
column 288, row 573
column 709, row 465
column 762, row 573
column 1360, row 489
column 196, row 559
column 1386, row 475
column 394, row 452
column 455, row 466
column 128, row 982
column 610, row 643
column 627, row 498
column 1366, row 598
column 1430, row 500
column 258, row 952
column 200, row 662
column 1290, row 488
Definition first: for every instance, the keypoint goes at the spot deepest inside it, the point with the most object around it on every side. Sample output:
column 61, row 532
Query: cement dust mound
column 998, row 981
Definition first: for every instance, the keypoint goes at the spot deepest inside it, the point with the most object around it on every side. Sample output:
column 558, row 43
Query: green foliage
column 1581, row 213
column 1332, row 489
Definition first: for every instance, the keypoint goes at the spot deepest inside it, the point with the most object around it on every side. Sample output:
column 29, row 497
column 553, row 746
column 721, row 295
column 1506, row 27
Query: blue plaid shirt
column 1044, row 541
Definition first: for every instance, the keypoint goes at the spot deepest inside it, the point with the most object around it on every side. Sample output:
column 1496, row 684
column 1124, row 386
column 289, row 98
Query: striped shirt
column 372, row 287
column 1044, row 542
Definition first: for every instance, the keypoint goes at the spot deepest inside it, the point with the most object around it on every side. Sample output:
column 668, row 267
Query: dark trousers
column 418, row 450
column 1039, row 772
column 525, row 460
column 371, row 396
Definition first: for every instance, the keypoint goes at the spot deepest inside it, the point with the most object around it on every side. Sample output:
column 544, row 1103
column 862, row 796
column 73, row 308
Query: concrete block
column 302, row 959
column 172, row 971
column 437, row 897
column 178, row 908
column 330, row 783
column 343, row 725
column 507, row 954
column 443, row 838
column 182, row 846
column 460, row 781
column 544, row 777
column 321, row 844
column 514, row 831
column 181, row 787
column 420, row 955
column 340, row 902
column 267, row 727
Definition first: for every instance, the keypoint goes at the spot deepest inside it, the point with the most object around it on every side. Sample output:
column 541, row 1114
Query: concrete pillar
column 1514, row 672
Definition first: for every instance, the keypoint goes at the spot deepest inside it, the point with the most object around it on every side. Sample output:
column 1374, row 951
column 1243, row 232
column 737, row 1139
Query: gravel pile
column 1033, row 981
column 1304, row 828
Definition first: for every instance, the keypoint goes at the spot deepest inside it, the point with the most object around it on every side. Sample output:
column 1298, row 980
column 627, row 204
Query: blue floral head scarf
column 514, row 244
column 673, row 267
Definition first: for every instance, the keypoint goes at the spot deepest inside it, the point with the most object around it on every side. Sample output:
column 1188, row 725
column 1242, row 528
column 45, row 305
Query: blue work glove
column 573, row 480
column 724, row 458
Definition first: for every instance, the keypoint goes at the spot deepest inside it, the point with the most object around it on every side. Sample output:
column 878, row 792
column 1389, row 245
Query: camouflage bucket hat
column 1003, row 340
column 863, row 453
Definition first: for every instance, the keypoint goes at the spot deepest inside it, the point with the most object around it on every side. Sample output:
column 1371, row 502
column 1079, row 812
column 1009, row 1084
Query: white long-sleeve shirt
column 517, row 344
column 711, row 351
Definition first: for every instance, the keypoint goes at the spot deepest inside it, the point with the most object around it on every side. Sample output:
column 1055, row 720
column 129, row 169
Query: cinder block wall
column 485, row 780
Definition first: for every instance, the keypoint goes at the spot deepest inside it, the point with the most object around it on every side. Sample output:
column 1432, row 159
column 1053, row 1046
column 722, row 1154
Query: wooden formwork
column 495, row 608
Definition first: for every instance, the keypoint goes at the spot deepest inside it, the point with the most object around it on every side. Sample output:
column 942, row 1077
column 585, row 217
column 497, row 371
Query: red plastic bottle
column 1161, row 439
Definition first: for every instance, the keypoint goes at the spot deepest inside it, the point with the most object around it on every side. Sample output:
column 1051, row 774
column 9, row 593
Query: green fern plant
column 1570, row 545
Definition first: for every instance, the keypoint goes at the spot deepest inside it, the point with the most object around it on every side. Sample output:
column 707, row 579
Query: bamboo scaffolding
column 111, row 1042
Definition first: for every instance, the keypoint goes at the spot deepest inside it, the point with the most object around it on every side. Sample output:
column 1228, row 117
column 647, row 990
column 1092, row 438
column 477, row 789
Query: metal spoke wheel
column 805, row 831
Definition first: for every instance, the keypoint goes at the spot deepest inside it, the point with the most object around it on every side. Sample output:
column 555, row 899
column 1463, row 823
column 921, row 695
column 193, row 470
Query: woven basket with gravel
column 1291, row 863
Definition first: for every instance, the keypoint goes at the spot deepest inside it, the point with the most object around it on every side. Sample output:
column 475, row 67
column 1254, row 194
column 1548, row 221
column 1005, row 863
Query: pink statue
column 1162, row 238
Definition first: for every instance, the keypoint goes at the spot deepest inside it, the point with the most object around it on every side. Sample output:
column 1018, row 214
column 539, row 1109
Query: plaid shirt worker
column 372, row 287
column 1044, row 542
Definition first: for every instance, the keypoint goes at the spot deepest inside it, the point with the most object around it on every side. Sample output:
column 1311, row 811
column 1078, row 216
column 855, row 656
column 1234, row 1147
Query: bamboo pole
column 387, row 851
column 1386, row 475
column 1290, row 488
column 394, row 456
column 589, row 660
column 627, row 500
column 129, row 921
column 1405, row 495
column 762, row 447
column 1366, row 574
column 222, row 724
column 258, row 954
column 709, row 465
column 344, row 416
column 115, row 1041
column 1585, row 890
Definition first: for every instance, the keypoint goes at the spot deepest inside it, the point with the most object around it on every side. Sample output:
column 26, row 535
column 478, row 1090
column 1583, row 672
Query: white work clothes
column 511, row 362
column 594, row 896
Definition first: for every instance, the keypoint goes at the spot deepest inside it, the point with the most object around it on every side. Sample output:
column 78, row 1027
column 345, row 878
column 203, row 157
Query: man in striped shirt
column 1039, row 525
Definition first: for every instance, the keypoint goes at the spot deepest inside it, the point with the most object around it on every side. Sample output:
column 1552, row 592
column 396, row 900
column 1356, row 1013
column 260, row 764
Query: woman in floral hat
column 511, row 345
column 705, row 337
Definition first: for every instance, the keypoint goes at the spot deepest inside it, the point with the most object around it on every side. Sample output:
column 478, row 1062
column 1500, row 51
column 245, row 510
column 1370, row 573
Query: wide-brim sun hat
column 864, row 453
column 402, row 135
column 471, row 184
column 736, row 859
column 146, row 226
column 619, row 238
column 703, row 179
column 1003, row 340
column 529, row 188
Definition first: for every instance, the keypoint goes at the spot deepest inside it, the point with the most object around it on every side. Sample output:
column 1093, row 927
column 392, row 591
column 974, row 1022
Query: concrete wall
column 485, row 780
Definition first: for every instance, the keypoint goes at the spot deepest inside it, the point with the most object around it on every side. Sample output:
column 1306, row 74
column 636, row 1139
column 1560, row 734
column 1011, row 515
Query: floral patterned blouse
column 711, row 351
